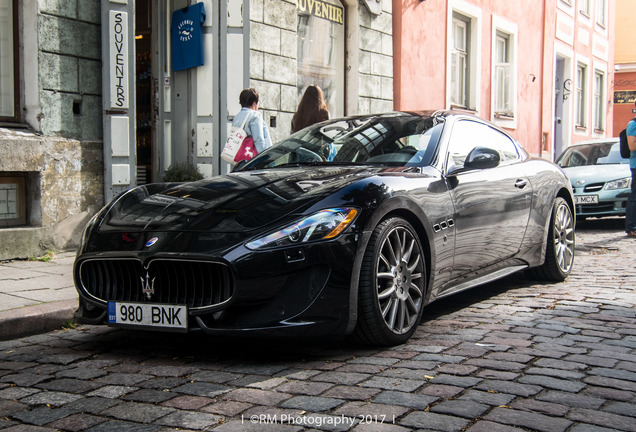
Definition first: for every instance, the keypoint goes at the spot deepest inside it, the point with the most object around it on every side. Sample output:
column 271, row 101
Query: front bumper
column 293, row 291
column 609, row 204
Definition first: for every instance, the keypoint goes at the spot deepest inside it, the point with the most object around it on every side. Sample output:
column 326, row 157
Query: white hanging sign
column 118, row 35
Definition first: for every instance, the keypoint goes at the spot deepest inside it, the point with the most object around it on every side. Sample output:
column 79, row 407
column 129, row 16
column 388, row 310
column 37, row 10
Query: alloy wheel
column 399, row 275
column 563, row 236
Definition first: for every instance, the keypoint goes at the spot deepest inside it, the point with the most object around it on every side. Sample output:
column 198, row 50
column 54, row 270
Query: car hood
column 596, row 173
column 236, row 202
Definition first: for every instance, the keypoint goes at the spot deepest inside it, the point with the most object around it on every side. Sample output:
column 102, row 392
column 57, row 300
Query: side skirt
column 482, row 280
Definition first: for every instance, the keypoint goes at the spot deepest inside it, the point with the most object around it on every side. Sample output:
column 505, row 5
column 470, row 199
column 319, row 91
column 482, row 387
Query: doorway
column 143, row 91
column 559, row 98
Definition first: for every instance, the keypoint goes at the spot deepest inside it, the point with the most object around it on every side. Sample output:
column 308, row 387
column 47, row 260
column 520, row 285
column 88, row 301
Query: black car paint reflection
column 347, row 227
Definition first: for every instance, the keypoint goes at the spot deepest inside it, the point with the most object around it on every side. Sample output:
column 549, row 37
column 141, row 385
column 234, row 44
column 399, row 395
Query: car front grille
column 594, row 187
column 197, row 284
column 594, row 208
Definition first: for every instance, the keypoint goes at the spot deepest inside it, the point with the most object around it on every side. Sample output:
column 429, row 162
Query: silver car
column 600, row 177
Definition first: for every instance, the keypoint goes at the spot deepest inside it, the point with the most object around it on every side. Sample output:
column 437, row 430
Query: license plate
column 585, row 199
column 148, row 315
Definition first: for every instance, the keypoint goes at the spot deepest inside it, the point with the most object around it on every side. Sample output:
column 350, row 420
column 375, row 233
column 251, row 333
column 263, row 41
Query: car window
column 604, row 153
column 507, row 148
column 468, row 134
column 395, row 140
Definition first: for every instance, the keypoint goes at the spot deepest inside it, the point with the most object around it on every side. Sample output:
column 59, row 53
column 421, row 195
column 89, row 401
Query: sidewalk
column 36, row 296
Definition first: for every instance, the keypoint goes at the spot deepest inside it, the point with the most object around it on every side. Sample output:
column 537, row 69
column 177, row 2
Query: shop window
column 12, row 199
column 8, row 61
column 321, row 50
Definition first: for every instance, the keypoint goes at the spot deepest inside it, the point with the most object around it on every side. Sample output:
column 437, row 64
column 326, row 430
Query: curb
column 30, row 320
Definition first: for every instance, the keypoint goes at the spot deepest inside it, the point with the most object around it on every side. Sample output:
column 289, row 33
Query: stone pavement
column 36, row 295
column 509, row 356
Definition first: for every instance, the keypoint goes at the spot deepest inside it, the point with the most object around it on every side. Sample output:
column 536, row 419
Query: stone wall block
column 269, row 94
column 283, row 127
column 380, row 105
column 58, row 119
column 386, row 88
column 280, row 69
column 60, row 72
column 387, row 6
column 90, row 77
column 382, row 23
column 280, row 14
column 65, row 36
column 370, row 86
column 256, row 10
column 265, row 38
column 257, row 65
column 387, row 44
column 62, row 8
column 364, row 62
column 90, row 119
column 289, row 43
column 69, row 187
column 371, row 40
column 89, row 11
column 381, row 65
column 289, row 99
column 364, row 105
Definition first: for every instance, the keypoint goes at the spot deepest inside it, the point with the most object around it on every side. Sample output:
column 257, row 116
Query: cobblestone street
column 512, row 355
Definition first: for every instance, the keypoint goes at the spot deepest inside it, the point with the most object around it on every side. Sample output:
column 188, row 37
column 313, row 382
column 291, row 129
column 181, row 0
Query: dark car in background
column 600, row 177
column 347, row 227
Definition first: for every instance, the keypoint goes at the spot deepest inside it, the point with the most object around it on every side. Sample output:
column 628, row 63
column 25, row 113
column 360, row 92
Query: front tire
column 392, row 285
column 559, row 254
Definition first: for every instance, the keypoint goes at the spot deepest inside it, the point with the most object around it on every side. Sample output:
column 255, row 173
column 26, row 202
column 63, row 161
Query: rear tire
column 559, row 254
column 392, row 285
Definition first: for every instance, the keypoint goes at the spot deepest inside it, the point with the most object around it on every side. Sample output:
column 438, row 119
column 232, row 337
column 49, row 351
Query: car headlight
column 323, row 225
column 625, row 183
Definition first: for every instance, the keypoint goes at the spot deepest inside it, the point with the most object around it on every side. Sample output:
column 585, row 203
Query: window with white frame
column 8, row 60
column 598, row 105
column 601, row 12
column 460, row 62
column 584, row 7
column 580, row 95
column 503, row 75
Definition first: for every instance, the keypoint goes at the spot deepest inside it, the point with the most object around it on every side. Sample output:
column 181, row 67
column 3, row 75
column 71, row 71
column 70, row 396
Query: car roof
column 595, row 141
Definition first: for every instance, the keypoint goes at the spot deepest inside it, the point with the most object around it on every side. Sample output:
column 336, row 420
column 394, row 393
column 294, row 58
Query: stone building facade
column 51, row 171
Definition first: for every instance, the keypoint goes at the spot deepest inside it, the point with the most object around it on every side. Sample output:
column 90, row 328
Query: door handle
column 521, row 183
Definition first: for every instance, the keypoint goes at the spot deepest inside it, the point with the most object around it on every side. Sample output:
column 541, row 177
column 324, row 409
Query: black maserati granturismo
column 347, row 227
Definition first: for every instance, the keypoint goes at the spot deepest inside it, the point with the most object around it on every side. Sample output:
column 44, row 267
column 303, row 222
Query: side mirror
column 482, row 158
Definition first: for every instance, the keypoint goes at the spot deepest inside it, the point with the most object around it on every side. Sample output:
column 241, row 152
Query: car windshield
column 605, row 153
column 397, row 139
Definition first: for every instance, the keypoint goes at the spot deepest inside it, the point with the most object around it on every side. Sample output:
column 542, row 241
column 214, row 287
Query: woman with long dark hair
column 311, row 109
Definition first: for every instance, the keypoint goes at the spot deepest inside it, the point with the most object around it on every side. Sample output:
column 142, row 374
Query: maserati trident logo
column 148, row 286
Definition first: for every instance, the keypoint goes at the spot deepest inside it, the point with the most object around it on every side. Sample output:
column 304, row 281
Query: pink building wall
column 420, row 62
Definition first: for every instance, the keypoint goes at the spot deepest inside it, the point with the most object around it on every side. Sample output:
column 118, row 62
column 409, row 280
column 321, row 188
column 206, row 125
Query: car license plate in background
column 585, row 199
column 148, row 315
